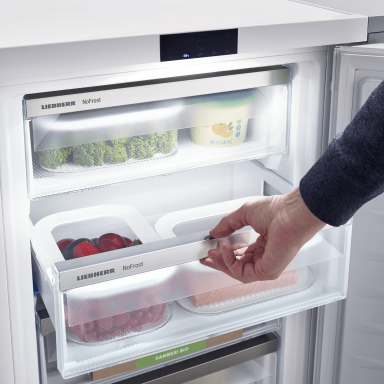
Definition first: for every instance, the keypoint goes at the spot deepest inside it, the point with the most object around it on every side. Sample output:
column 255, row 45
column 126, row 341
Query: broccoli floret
column 142, row 147
column 81, row 156
column 166, row 141
column 98, row 152
column 53, row 158
column 146, row 146
column 119, row 142
column 88, row 155
column 115, row 154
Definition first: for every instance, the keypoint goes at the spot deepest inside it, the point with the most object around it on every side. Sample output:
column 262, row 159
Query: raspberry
column 136, row 328
column 106, row 323
column 157, row 317
column 122, row 319
column 133, row 322
column 156, row 309
column 91, row 335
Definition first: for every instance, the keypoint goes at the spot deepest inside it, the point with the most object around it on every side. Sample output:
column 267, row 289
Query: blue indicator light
column 185, row 55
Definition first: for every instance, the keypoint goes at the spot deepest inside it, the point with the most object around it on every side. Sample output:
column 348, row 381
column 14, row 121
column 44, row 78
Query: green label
column 170, row 354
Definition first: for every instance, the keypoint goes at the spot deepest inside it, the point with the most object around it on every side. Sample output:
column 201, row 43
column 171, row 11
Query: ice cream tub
column 220, row 135
column 222, row 121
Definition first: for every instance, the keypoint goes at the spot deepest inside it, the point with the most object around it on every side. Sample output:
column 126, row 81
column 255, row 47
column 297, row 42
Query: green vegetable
column 166, row 141
column 53, row 158
column 146, row 146
column 115, row 152
column 88, row 155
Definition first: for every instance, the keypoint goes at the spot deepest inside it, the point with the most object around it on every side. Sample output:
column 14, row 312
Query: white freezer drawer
column 102, row 319
column 252, row 359
column 143, row 129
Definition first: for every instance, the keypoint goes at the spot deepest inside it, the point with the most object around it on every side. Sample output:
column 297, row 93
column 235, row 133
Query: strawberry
column 128, row 241
column 63, row 244
column 115, row 238
column 84, row 249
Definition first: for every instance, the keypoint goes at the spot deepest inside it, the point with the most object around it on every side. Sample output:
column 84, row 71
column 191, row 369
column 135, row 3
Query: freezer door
column 359, row 355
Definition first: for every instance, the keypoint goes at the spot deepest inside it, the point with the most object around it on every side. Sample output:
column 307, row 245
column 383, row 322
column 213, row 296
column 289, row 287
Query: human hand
column 284, row 224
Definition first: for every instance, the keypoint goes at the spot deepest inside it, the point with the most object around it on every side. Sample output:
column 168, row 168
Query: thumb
column 231, row 223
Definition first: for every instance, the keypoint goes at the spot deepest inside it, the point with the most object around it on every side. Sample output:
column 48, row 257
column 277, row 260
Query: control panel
column 194, row 45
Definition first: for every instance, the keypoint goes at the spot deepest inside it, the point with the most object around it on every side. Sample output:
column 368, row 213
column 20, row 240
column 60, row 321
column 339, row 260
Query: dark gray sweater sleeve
column 351, row 171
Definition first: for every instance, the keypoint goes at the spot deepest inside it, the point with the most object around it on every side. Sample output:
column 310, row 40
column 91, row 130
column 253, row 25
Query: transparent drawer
column 70, row 151
column 222, row 354
column 154, row 297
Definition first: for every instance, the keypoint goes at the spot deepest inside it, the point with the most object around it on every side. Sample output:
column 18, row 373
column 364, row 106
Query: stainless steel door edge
column 51, row 103
column 209, row 363
column 144, row 258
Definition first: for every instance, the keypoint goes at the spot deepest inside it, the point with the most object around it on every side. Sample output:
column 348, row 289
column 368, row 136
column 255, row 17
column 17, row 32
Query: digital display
column 194, row 45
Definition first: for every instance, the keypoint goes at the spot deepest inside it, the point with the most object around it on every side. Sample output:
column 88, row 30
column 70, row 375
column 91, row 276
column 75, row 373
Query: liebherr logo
column 96, row 274
column 59, row 105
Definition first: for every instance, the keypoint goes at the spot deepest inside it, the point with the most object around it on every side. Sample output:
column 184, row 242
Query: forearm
column 351, row 171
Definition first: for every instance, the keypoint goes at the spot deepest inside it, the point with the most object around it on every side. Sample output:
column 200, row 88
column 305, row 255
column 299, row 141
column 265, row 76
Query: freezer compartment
column 80, row 293
column 87, row 149
column 248, row 352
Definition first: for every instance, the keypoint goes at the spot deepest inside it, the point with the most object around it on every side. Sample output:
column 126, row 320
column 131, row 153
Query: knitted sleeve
column 351, row 171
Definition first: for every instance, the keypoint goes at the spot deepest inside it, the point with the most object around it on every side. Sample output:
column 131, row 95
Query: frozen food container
column 129, row 125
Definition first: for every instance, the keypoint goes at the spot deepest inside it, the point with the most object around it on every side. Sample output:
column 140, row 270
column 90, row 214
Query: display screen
column 196, row 45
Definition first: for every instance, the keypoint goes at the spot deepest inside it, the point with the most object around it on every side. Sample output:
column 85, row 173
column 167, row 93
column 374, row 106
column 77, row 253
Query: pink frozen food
column 286, row 279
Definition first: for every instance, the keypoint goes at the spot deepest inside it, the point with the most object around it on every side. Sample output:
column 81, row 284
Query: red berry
column 157, row 317
column 107, row 246
column 137, row 328
column 122, row 319
column 108, row 335
column 132, row 322
column 148, row 317
column 81, row 337
column 86, row 327
column 63, row 244
column 84, row 249
column 156, row 309
column 115, row 238
column 128, row 241
column 75, row 329
column 106, row 323
column 91, row 335
column 139, row 315
column 125, row 329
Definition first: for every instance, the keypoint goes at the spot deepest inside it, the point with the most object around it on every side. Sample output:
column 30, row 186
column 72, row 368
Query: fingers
column 279, row 252
column 231, row 223
column 240, row 268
